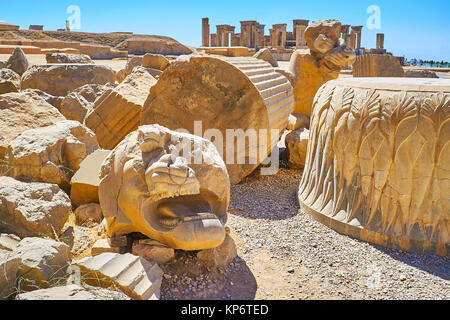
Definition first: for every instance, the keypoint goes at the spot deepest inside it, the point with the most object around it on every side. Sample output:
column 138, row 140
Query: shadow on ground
column 187, row 278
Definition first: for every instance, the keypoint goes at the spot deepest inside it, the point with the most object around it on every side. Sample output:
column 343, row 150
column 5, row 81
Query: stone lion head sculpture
column 324, row 41
column 172, row 187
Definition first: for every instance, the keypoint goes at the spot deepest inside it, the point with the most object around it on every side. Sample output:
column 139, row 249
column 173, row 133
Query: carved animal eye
column 149, row 145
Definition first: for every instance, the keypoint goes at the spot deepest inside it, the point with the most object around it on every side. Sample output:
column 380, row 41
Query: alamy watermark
column 374, row 20
column 74, row 20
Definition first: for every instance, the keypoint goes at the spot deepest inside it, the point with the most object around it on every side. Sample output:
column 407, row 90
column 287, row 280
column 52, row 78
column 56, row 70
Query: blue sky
column 415, row 29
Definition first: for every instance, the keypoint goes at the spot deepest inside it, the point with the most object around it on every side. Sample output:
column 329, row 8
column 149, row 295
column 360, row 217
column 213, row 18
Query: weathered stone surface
column 158, row 252
column 266, row 55
column 73, row 292
column 86, row 180
column 9, row 267
column 377, row 162
column 149, row 185
column 155, row 61
column 297, row 145
column 32, row 209
column 43, row 263
column 20, row 112
column 155, row 45
column 92, row 92
column 224, row 94
column 91, row 212
column 8, row 241
column 51, row 154
column 60, row 79
column 17, row 62
column 53, row 100
column 136, row 277
column 311, row 68
column 9, row 81
column 2, row 64
column 131, row 64
column 75, row 107
column 117, row 112
column 121, row 75
column 68, row 58
column 421, row 74
column 377, row 65
column 221, row 256
column 103, row 246
column 297, row 121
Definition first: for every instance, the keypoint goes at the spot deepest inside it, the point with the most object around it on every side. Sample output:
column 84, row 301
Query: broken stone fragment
column 68, row 58
column 85, row 182
column 103, row 246
column 153, row 251
column 89, row 213
column 43, row 263
column 8, row 241
column 51, row 154
column 73, row 292
column 9, row 267
column 266, row 55
column 17, row 62
column 136, row 277
column 32, row 209
column 9, row 81
column 155, row 61
column 297, row 146
column 221, row 256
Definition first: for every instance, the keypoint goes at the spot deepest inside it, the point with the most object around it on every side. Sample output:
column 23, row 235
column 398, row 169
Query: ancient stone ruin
column 376, row 162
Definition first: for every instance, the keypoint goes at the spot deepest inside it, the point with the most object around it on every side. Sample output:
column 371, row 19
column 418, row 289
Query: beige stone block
column 156, row 252
column 103, row 246
column 8, row 241
column 85, row 182
column 136, row 277
column 9, row 267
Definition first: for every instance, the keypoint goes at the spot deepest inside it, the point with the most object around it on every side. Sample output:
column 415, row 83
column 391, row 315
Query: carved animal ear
column 323, row 44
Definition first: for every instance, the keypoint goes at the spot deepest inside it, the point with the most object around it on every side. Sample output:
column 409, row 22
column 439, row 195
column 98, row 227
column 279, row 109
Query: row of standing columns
column 252, row 35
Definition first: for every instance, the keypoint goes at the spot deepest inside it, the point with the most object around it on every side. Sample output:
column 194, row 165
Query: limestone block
column 68, row 58
column 155, row 61
column 9, row 81
column 136, row 277
column 266, row 55
column 377, row 162
column 8, row 241
column 17, row 62
column 155, row 45
column 297, row 145
column 51, row 154
column 60, row 79
column 421, row 74
column 103, row 246
column 32, row 209
column 377, row 65
column 221, row 256
column 224, row 94
column 43, row 263
column 92, row 92
column 117, row 112
column 76, row 238
column 131, row 64
column 72, row 292
column 151, row 184
column 85, row 182
column 158, row 252
column 9, row 267
column 121, row 75
column 20, row 112
column 53, row 100
column 75, row 107
column 91, row 212
column 297, row 121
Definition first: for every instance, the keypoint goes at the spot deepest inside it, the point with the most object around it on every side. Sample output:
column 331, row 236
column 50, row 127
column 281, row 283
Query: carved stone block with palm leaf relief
column 378, row 162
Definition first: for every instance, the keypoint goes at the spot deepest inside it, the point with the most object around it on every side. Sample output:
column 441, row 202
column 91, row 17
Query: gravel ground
column 284, row 254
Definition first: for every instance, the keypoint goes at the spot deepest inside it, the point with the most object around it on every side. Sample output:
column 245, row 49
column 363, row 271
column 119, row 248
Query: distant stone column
column 345, row 33
column 380, row 40
column 205, row 32
column 299, row 27
column 213, row 40
column 67, row 25
column 357, row 30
